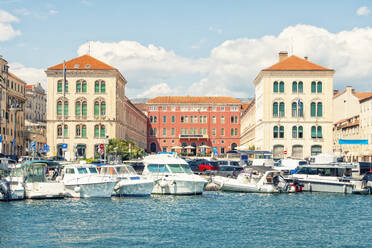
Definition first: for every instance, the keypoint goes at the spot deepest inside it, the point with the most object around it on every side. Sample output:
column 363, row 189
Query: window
column 222, row 131
column 96, row 87
column 232, row 132
column 173, row 131
column 313, row 132
column 213, row 119
column 319, row 87
column 78, row 86
column 66, row 86
column 235, row 131
column 281, row 132
column 59, row 108
column 275, row 87
column 77, row 108
column 96, row 108
column 313, row 87
column 84, row 108
column 204, row 119
column 151, row 131
column 182, row 119
column 315, row 150
column 275, row 132
column 313, row 109
column 294, row 109
column 164, row 132
column 84, row 131
column 294, row 132
column 77, row 131
column 84, row 86
column 59, row 130
column 103, row 87
column 281, row 87
column 213, row 132
column 300, row 132
column 96, row 131
column 275, row 109
column 173, row 119
column 59, row 86
column 281, row 109
column 222, row 108
column 103, row 108
column 294, row 87
column 300, row 87
column 103, row 131
column 319, row 132
column 222, row 119
column 65, row 131
column 319, row 111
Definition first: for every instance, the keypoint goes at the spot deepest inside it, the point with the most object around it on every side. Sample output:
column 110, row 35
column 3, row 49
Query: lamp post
column 15, row 108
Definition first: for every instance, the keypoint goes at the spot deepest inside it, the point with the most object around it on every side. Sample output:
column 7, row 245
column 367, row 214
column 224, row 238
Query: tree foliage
column 125, row 149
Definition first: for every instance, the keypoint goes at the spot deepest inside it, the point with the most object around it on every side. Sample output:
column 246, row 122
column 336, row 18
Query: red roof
column 29, row 86
column 17, row 78
column 85, row 62
column 193, row 99
column 360, row 95
column 294, row 63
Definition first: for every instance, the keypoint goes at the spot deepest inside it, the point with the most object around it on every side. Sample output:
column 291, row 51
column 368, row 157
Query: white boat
column 10, row 188
column 41, row 179
column 83, row 181
column 255, row 179
column 130, row 183
column 172, row 175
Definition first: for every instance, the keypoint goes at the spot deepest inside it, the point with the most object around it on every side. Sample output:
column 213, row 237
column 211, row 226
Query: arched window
column 281, row 86
column 275, row 87
column 78, row 108
column 313, row 132
column 294, row 132
column 65, row 108
column 300, row 109
column 313, row 109
column 294, row 87
column 103, row 108
column 155, row 131
column 78, row 86
column 275, row 109
column 153, row 147
column 96, row 87
column 84, row 87
column 151, row 131
column 294, row 109
column 66, row 86
column 278, row 151
column 96, row 131
column 315, row 150
column 84, row 131
column 300, row 87
column 59, row 108
column 313, row 87
column 297, row 151
column 77, row 131
column 281, row 132
column 103, row 131
column 59, row 130
column 281, row 109
column 319, row 109
column 96, row 108
column 84, row 107
column 59, row 86
column 319, row 87
column 65, row 131
column 300, row 132
column 103, row 87
column 319, row 132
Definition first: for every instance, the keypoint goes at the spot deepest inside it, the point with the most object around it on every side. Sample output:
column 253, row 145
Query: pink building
column 188, row 121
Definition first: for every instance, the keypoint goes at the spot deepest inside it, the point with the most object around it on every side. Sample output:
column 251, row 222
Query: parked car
column 209, row 165
column 194, row 164
column 229, row 171
column 228, row 162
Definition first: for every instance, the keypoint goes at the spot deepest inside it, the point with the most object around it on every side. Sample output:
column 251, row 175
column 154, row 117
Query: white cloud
column 232, row 66
column 22, row 11
column 363, row 11
column 215, row 29
column 53, row 12
column 28, row 74
column 6, row 30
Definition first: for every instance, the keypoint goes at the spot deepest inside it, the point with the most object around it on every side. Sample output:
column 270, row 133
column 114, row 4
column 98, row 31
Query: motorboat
column 290, row 165
column 172, row 175
column 130, row 183
column 83, row 181
column 256, row 179
column 41, row 179
column 10, row 187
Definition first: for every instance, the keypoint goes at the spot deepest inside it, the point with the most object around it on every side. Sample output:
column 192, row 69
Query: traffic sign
column 285, row 152
column 101, row 152
column 1, row 138
column 64, row 146
column 46, row 148
column 101, row 146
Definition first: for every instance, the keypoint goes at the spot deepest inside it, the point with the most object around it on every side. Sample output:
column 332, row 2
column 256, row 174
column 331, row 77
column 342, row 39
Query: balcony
column 193, row 136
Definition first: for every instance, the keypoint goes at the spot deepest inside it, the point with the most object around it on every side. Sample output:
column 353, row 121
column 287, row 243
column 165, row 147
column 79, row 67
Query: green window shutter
column 59, row 87
column 313, row 107
column 103, row 109
column 84, row 131
column 313, row 87
column 300, row 87
column 77, row 109
column 84, row 109
column 103, row 131
column 281, row 109
column 96, row 87
column 275, row 87
column 300, row 132
column 66, row 87
column 65, row 109
column 294, row 86
column 96, row 109
column 294, row 132
column 281, row 132
column 275, row 109
column 275, row 132
column 96, row 131
column 320, row 135
column 281, row 86
column 65, row 131
column 320, row 109
column 84, row 87
column 313, row 132
column 103, row 87
column 78, row 87
column 294, row 109
column 59, row 108
column 319, row 87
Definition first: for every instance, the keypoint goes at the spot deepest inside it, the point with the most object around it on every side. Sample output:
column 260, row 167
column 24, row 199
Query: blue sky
column 50, row 31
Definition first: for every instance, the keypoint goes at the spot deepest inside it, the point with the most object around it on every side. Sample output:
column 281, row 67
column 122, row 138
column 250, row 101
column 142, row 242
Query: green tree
column 125, row 149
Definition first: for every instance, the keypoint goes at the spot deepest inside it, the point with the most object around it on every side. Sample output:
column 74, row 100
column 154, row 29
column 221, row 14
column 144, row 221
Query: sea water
column 214, row 219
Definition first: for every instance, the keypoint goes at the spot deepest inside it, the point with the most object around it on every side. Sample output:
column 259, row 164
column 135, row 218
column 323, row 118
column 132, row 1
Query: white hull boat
column 172, row 175
column 87, row 190
column 44, row 190
column 11, row 190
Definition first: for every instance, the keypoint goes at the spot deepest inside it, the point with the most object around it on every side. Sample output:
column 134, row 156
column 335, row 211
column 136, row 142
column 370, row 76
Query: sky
column 207, row 47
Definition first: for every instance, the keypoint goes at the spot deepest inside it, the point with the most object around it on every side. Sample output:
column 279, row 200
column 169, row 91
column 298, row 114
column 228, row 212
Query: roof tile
column 193, row 99
column 85, row 62
column 294, row 63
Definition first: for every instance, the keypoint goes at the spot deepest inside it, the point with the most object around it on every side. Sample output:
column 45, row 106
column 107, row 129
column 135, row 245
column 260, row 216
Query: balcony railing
column 193, row 136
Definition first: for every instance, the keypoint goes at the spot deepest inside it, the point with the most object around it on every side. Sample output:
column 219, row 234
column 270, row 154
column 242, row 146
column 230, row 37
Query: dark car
column 229, row 171
column 228, row 162
column 194, row 164
column 209, row 166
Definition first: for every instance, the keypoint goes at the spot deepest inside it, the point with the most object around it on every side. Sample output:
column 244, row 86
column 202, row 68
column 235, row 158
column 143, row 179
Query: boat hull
column 179, row 187
column 324, row 186
column 88, row 190
column 44, row 190
column 233, row 185
column 134, row 188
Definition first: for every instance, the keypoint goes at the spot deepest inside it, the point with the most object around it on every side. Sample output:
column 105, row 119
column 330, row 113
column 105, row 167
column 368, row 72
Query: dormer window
column 76, row 66
column 87, row 66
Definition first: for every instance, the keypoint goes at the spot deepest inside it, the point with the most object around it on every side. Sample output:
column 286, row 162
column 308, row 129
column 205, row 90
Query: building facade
column 247, row 126
column 200, row 123
column 35, row 109
column 90, row 109
column 365, row 118
column 293, row 112
column 12, row 95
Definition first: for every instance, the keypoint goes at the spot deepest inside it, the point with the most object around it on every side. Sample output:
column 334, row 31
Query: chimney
column 283, row 56
column 335, row 92
column 306, row 57
column 349, row 88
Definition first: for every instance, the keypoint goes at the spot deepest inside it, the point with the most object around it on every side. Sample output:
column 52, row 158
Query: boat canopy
column 48, row 163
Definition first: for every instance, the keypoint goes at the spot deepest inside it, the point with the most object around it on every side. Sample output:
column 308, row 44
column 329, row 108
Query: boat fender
column 77, row 189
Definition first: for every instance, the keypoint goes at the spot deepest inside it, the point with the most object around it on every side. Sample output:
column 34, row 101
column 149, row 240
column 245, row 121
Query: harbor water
column 215, row 219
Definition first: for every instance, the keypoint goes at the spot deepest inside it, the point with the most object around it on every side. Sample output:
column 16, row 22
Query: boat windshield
column 109, row 170
column 122, row 170
column 70, row 171
column 186, row 168
column 82, row 170
column 92, row 170
column 35, row 173
column 327, row 172
column 176, row 168
column 157, row 168
column 131, row 170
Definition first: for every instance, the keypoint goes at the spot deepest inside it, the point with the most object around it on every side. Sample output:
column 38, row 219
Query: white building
column 293, row 108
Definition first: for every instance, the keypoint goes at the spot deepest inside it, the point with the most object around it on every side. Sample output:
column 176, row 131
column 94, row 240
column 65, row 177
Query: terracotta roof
column 339, row 93
column 294, row 63
column 29, row 86
column 193, row 99
column 84, row 62
column 17, row 78
column 362, row 95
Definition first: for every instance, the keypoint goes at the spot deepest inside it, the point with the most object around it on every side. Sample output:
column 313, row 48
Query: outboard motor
column 280, row 182
column 5, row 189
